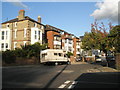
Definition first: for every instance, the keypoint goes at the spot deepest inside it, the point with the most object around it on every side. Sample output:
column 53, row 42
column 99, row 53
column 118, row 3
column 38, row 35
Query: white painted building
column 68, row 45
column 36, row 35
column 5, row 39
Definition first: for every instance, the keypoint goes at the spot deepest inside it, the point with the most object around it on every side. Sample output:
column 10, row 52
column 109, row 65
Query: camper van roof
column 52, row 50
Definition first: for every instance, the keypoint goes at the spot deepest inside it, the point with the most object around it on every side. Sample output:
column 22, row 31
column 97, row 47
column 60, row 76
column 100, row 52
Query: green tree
column 114, row 37
column 8, row 56
column 34, row 49
column 69, row 54
column 97, row 38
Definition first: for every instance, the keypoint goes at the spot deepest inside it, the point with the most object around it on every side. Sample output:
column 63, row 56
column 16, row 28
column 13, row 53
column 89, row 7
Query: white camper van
column 53, row 56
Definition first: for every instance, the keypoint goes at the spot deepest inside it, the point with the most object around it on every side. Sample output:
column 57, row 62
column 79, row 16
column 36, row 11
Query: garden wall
column 118, row 61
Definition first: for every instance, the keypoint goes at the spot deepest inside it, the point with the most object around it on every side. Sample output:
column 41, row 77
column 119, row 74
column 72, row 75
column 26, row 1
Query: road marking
column 74, row 82
column 67, row 82
column 62, row 86
column 93, row 70
column 71, row 86
column 66, row 71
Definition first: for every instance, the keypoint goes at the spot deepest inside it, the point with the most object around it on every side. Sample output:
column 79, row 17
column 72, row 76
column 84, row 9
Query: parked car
column 111, row 58
column 99, row 59
column 78, row 59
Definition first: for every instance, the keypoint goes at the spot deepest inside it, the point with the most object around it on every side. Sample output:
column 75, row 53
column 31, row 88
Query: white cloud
column 17, row 3
column 108, row 9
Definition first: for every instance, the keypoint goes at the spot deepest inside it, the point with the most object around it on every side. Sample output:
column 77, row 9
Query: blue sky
column 72, row 17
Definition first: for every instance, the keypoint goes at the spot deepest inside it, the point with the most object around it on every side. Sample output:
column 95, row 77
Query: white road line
column 74, row 82
column 71, row 86
column 67, row 82
column 62, row 86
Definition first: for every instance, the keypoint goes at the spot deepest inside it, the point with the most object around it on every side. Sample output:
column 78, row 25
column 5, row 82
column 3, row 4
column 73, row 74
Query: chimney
column 39, row 19
column 21, row 15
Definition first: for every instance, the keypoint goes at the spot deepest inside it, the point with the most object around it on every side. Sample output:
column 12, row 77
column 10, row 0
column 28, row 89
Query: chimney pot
column 21, row 14
column 39, row 19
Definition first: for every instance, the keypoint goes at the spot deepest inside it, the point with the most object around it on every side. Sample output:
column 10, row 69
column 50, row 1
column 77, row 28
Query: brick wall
column 23, row 61
column 74, row 46
column 118, row 60
column 50, row 38
column 72, row 59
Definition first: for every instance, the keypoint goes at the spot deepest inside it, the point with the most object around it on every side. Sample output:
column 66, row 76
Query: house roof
column 56, row 29
column 16, row 20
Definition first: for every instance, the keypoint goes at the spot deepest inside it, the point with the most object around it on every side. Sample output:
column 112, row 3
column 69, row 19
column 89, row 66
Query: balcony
column 78, row 46
column 77, row 52
column 57, row 42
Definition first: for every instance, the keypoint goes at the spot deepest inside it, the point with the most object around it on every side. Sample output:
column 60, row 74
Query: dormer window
column 42, row 27
column 15, row 24
column 7, row 25
column 35, row 24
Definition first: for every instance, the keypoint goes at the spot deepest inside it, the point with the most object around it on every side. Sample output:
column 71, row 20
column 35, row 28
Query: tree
column 8, row 56
column 69, row 54
column 97, row 38
column 114, row 37
column 34, row 49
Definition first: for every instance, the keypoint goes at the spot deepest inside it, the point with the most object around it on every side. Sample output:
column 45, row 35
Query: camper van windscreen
column 55, row 53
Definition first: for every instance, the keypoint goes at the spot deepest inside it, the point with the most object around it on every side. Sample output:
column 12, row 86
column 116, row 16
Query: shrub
column 8, row 57
column 69, row 54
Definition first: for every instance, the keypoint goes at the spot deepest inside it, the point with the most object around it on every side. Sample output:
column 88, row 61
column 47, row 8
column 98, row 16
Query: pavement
column 97, row 77
column 101, row 69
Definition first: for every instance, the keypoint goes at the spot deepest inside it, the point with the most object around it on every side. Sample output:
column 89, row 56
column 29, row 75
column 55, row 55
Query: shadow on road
column 111, row 63
column 53, row 79
column 99, row 80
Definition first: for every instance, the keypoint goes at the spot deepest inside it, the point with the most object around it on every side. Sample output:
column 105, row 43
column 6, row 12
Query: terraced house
column 60, row 39
column 23, row 30
column 20, row 31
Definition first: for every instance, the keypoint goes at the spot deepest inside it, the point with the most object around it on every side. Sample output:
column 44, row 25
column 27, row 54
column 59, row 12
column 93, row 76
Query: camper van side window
column 55, row 53
column 43, row 55
column 60, row 54
column 65, row 56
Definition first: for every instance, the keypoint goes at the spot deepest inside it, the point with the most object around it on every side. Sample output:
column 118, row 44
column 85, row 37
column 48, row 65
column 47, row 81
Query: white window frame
column 25, row 32
column 39, row 34
column 35, row 34
column 6, row 35
column 2, row 35
column 6, row 45
column 15, row 33
column 7, row 25
column 15, row 45
column 2, row 44
column 42, row 27
column 35, row 24
column 15, row 24
column 24, row 42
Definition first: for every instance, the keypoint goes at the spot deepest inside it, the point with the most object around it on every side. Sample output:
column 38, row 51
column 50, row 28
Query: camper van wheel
column 68, row 62
column 56, row 64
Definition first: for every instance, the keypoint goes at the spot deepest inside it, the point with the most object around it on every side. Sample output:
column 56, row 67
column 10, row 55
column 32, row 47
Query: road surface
column 62, row 76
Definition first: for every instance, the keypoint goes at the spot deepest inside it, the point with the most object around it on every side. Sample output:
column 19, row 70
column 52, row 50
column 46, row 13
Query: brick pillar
column 118, row 61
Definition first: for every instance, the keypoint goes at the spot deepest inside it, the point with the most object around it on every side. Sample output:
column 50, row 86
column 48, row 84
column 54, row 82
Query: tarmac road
column 77, row 75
